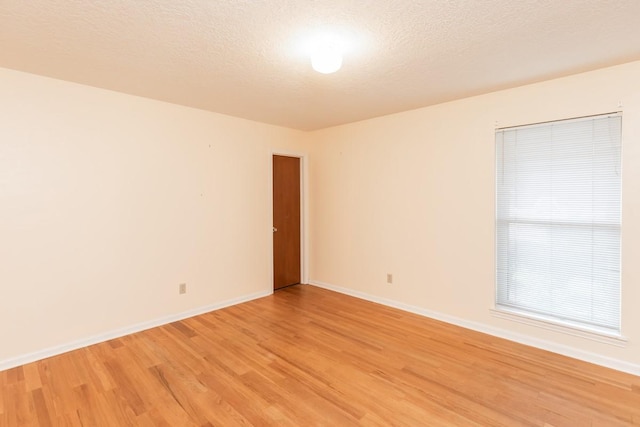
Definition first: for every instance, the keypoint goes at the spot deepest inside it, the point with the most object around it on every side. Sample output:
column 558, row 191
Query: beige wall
column 413, row 194
column 109, row 201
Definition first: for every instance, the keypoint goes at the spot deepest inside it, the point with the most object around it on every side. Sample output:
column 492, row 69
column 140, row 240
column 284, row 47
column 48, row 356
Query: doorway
column 287, row 240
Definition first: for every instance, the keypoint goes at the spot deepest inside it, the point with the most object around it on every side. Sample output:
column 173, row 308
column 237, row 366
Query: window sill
column 565, row 328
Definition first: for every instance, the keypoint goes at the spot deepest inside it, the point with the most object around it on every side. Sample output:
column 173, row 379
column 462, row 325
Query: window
column 558, row 222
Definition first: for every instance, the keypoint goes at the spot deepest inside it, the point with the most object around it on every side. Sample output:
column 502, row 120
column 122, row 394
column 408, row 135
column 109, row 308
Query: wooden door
column 286, row 221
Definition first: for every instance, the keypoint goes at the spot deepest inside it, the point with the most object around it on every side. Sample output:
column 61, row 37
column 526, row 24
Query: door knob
column 275, row 229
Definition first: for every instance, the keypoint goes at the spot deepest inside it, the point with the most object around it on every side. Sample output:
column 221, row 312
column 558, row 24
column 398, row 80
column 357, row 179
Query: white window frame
column 544, row 321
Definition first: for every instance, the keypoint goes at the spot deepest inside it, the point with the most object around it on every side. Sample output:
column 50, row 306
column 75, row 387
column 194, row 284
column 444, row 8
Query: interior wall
column 108, row 202
column 412, row 194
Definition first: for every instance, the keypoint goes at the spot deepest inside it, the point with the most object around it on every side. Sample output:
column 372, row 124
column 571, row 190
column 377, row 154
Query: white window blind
column 558, row 221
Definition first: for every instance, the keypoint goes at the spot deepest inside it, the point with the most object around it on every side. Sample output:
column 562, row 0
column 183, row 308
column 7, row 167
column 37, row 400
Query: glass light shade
column 326, row 59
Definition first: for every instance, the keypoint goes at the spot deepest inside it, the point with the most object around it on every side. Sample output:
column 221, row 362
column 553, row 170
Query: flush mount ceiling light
column 326, row 58
column 326, row 54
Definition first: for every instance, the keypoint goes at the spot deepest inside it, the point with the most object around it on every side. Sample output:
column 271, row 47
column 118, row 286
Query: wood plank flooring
column 310, row 357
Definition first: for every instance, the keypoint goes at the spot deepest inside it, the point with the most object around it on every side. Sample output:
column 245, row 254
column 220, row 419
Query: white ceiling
column 242, row 57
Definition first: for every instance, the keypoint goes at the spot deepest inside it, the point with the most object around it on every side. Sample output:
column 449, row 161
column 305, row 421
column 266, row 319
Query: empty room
column 319, row 212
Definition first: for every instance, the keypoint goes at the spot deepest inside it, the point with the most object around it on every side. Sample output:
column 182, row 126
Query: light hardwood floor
column 307, row 356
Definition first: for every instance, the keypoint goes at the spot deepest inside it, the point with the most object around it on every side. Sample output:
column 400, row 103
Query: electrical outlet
column 389, row 278
column 182, row 288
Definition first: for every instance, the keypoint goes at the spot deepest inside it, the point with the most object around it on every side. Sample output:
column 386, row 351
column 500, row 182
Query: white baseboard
column 619, row 365
column 117, row 333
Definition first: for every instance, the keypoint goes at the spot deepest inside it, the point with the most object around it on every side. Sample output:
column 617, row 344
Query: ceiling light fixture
column 326, row 55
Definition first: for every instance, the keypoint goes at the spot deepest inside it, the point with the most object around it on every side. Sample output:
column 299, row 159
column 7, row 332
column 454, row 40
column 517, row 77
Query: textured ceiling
column 243, row 57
